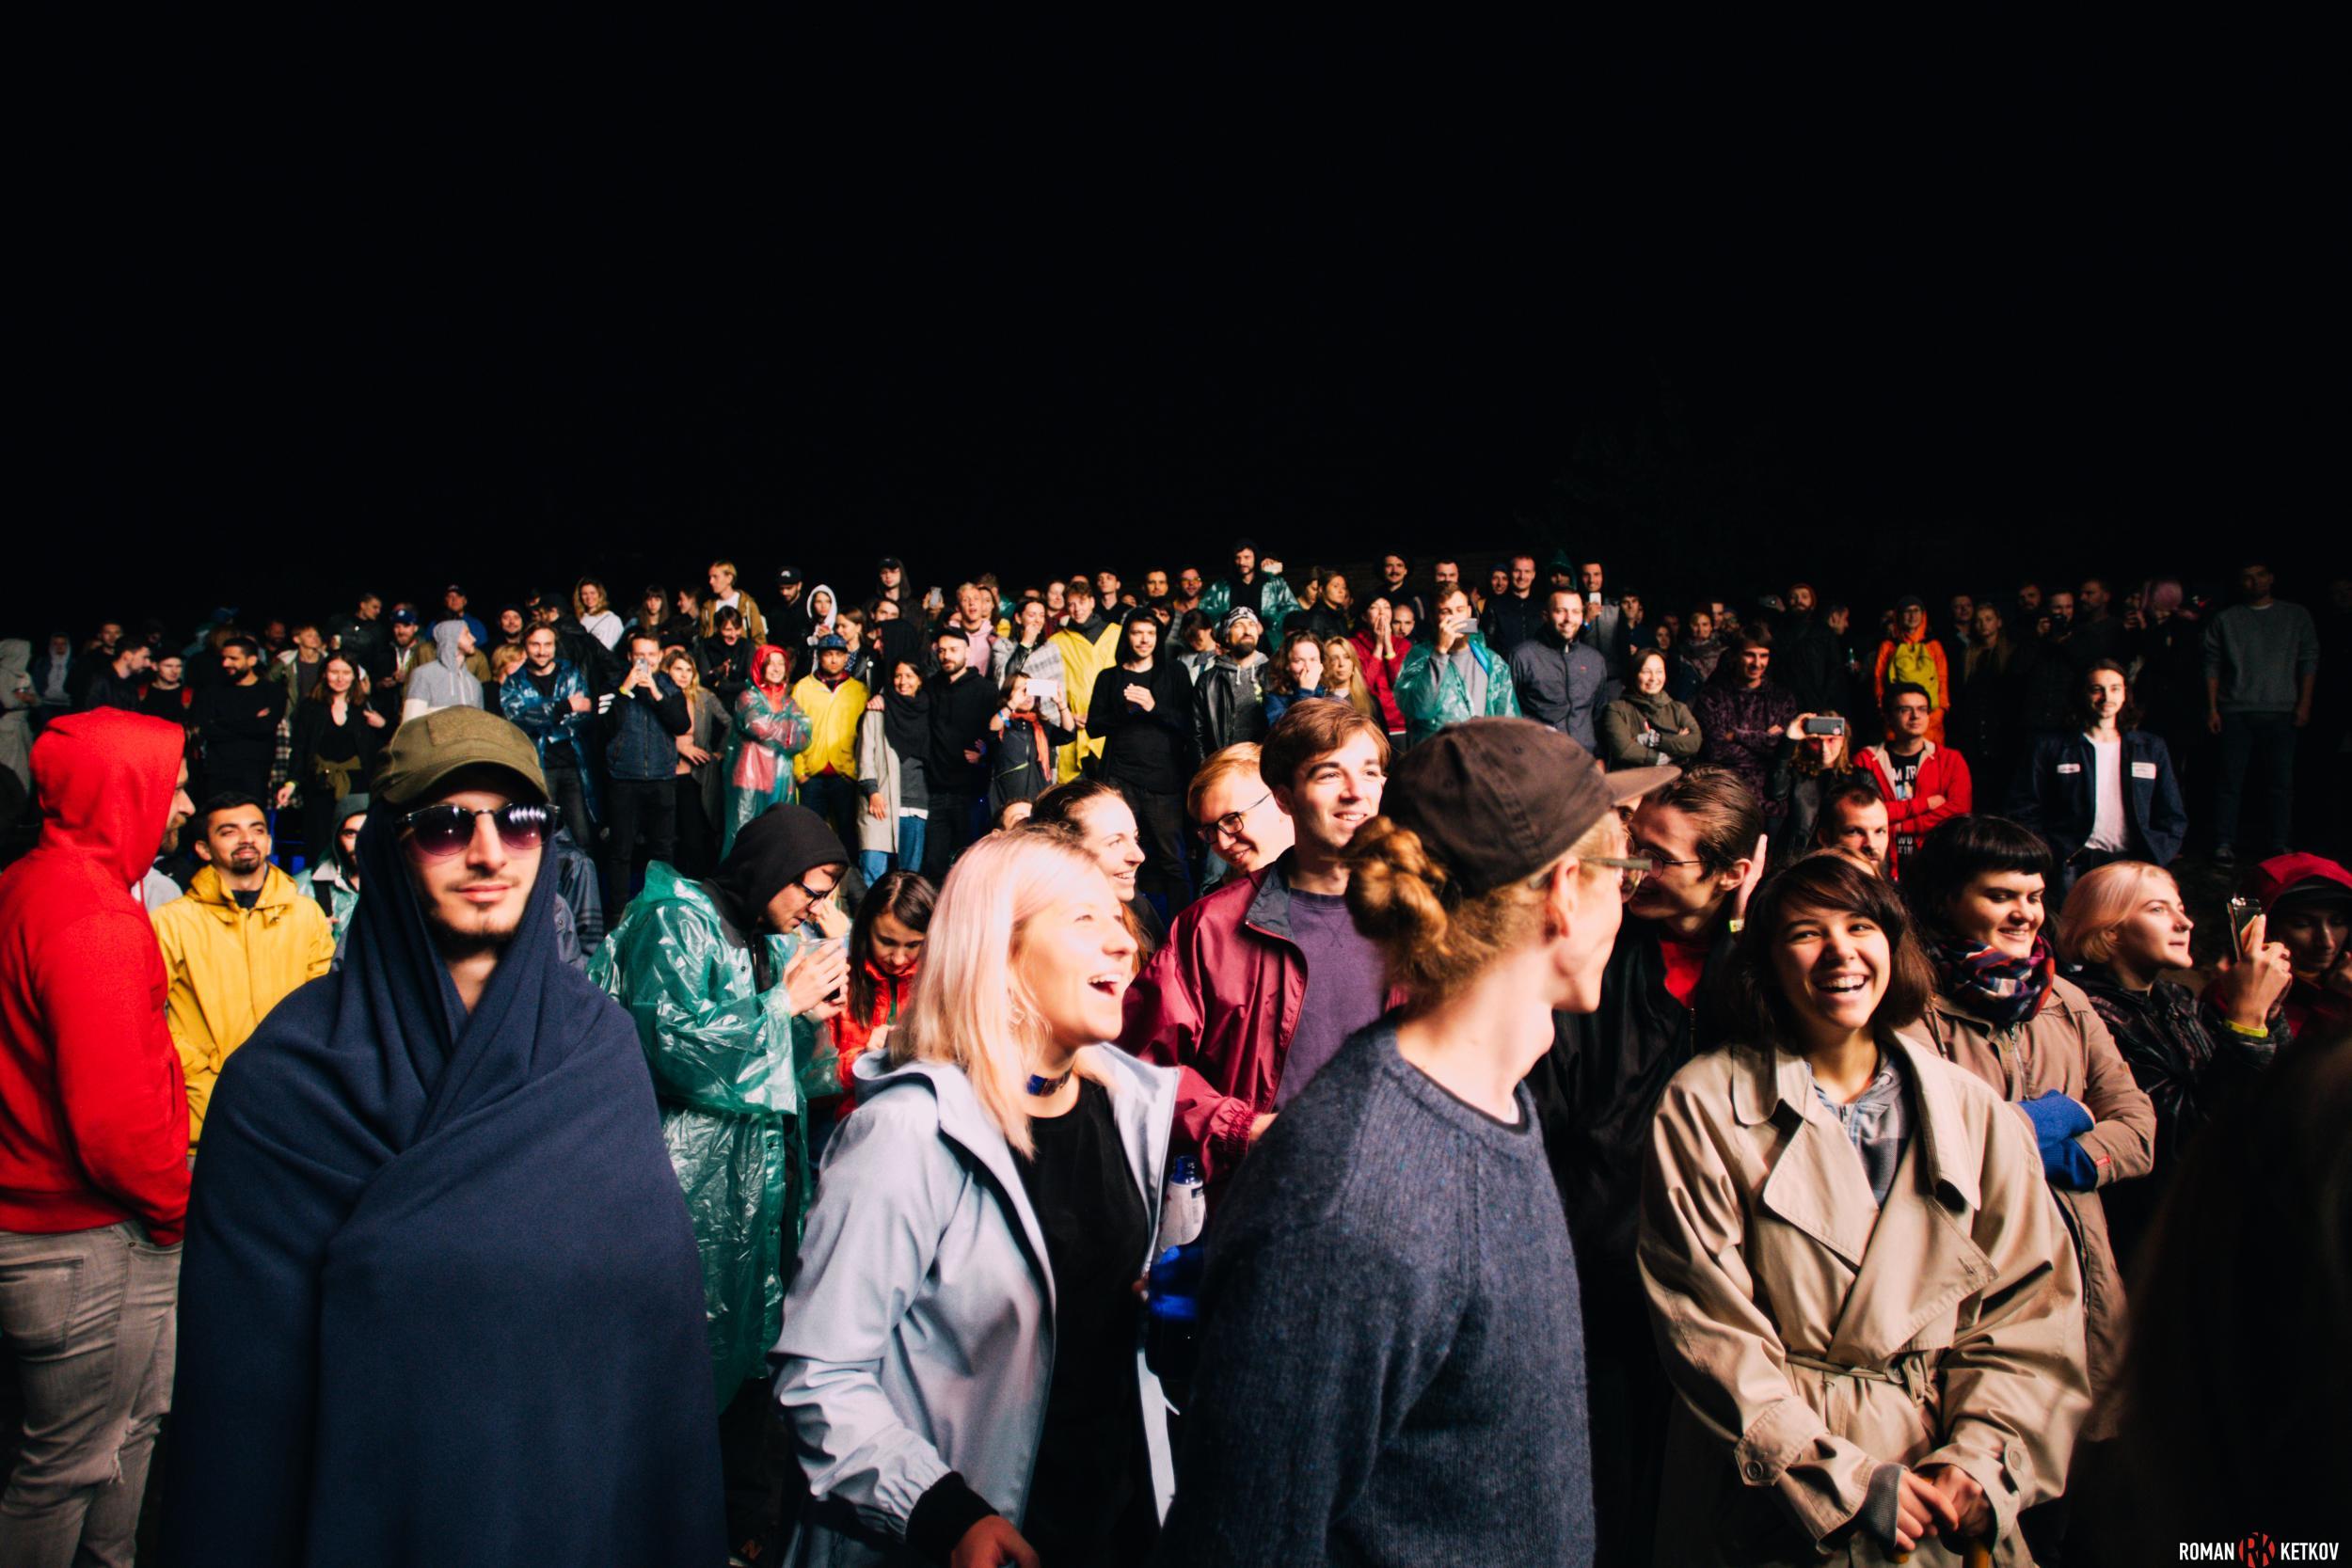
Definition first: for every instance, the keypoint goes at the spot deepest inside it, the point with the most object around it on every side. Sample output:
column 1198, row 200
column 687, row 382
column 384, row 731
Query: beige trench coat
column 1771, row 1272
column 2066, row 1047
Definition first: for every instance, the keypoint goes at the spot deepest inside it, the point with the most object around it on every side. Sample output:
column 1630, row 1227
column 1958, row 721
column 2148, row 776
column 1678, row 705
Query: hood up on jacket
column 105, row 780
column 449, row 653
column 16, row 663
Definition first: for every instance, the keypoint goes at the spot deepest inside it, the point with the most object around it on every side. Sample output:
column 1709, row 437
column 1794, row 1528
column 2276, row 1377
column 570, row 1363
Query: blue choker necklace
column 1043, row 1086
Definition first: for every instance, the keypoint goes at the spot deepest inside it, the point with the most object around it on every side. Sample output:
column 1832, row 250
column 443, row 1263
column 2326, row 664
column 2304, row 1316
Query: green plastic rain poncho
column 1431, row 693
column 733, row 1070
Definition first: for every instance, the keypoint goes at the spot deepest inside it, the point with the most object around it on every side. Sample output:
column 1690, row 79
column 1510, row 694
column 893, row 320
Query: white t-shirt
column 603, row 625
column 2110, row 826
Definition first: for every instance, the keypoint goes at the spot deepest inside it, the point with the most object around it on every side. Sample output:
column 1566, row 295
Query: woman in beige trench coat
column 1861, row 1289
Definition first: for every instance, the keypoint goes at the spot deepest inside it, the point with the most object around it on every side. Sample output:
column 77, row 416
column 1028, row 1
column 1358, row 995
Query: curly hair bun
column 1395, row 889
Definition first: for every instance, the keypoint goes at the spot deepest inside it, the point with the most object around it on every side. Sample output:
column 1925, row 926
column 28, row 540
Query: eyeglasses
column 1231, row 822
column 436, row 833
column 1634, row 867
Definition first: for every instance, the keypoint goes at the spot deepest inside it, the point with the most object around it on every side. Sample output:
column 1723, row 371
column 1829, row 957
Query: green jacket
column 1274, row 601
column 733, row 1070
column 1431, row 694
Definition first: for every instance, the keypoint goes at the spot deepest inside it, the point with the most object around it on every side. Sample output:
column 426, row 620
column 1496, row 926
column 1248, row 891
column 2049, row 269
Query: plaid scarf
column 2003, row 991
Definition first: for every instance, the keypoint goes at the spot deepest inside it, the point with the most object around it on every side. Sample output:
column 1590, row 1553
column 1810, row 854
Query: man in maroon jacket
column 1262, row 981
column 93, row 1138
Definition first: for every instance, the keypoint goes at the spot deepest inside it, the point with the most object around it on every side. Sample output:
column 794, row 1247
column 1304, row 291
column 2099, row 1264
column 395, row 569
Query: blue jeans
column 2245, row 736
column 873, row 865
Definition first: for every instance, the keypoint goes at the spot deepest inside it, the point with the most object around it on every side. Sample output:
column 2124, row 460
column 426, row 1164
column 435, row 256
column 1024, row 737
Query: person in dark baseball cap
column 1491, row 884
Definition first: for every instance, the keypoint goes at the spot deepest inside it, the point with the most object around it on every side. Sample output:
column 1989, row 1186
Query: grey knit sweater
column 1392, row 1368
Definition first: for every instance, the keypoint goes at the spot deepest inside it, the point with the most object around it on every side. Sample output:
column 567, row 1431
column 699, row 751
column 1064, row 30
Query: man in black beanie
column 727, row 988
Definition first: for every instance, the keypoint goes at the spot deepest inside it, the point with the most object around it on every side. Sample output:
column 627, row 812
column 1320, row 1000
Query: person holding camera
column 647, row 716
column 727, row 988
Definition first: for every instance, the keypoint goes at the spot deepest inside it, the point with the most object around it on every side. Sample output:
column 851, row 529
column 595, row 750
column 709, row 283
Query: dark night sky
column 311, row 310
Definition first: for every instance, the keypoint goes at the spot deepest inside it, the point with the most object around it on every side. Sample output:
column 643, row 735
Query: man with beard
column 1262, row 981
column 446, row 682
column 962, row 701
column 1265, row 595
column 1806, row 656
column 1559, row 677
column 1229, row 699
column 793, row 625
column 1396, row 586
column 441, row 1302
column 1189, row 591
column 1598, row 1091
column 237, row 946
column 1745, row 717
column 110, row 678
column 1513, row 615
column 93, row 1169
column 360, row 634
column 402, row 656
column 236, row 722
column 728, row 994
column 834, row 702
column 1606, row 625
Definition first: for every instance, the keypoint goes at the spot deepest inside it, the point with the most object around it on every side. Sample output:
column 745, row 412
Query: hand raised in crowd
column 992, row 1543
column 1795, row 730
column 285, row 793
column 814, row 981
column 2256, row 977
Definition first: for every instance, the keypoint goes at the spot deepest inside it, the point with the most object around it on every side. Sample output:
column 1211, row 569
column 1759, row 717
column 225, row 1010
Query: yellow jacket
column 229, row 966
column 1082, row 660
column 833, row 718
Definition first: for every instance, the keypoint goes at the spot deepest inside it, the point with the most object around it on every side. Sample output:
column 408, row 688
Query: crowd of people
column 699, row 1081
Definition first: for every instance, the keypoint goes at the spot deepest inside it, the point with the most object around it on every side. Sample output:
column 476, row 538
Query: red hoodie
column 94, row 1113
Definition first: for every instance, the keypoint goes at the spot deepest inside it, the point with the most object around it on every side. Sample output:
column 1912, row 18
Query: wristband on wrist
column 2243, row 1032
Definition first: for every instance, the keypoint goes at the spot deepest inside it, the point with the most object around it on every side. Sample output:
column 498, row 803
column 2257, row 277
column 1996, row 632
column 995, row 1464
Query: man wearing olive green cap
column 441, row 1301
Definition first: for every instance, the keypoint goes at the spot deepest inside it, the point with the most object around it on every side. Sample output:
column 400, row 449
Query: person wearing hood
column 18, row 702
column 1455, row 677
column 93, row 1172
column 960, row 1355
column 332, row 881
column 1088, row 644
column 241, row 941
column 1558, row 675
column 441, row 1302
column 548, row 700
column 727, row 992
column 768, row 731
column 446, row 682
column 823, row 605
column 2306, row 903
column 826, row 769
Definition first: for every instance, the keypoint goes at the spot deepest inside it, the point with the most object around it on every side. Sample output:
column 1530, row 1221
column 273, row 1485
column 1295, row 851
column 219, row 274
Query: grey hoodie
column 445, row 682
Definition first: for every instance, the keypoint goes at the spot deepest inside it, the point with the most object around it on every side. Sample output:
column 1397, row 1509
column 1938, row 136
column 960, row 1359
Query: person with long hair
column 1390, row 1357
column 767, row 732
column 2125, row 925
column 1380, row 654
column 2002, row 1011
column 892, row 739
column 2104, row 792
column 1142, row 708
column 336, row 734
column 1023, row 732
column 1806, row 770
column 1872, row 1315
column 1296, row 676
column 700, row 782
column 1343, row 679
column 958, row 1356
column 1032, row 629
column 886, row 938
column 593, row 608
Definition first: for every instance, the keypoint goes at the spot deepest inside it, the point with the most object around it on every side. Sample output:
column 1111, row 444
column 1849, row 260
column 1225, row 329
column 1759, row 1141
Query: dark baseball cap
column 833, row 642
column 787, row 574
column 404, row 616
column 432, row 746
column 890, row 564
column 1497, row 799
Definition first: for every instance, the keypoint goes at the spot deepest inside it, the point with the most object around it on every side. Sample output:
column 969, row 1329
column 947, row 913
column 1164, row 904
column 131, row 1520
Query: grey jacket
column 445, row 682
column 890, row 1381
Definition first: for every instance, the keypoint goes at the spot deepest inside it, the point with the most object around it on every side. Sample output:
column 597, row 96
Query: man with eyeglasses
column 1598, row 1090
column 1260, row 982
column 1233, row 810
column 728, row 987
column 443, row 1256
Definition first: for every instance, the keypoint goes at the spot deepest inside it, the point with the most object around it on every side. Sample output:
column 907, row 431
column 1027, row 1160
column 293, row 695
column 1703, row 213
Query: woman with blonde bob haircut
column 959, row 1353
column 1391, row 1295
column 2125, row 923
column 1861, row 1294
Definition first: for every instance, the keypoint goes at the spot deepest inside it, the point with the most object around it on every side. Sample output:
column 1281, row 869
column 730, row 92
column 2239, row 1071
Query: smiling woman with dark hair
column 1872, row 1317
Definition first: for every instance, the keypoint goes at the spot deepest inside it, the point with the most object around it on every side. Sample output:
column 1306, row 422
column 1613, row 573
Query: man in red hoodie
column 93, row 1138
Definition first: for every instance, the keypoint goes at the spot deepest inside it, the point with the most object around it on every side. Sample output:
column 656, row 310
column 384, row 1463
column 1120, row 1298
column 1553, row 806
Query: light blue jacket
column 918, row 1336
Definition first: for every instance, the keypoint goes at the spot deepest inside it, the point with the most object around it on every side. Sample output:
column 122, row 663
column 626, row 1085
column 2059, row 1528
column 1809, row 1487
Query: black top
column 1090, row 1492
column 1153, row 749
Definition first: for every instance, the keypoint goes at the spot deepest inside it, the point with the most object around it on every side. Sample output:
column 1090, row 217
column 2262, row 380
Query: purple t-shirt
column 1346, row 987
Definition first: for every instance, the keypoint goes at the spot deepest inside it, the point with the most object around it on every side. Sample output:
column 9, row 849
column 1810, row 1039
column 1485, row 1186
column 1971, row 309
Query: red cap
column 2280, row 875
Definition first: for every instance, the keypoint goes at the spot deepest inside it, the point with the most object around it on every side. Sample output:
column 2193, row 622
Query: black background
column 1942, row 308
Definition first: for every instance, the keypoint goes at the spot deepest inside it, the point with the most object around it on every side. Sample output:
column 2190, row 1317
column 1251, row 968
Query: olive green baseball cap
column 432, row 746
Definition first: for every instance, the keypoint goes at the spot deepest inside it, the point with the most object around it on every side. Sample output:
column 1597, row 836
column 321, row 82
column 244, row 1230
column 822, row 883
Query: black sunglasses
column 439, row 831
